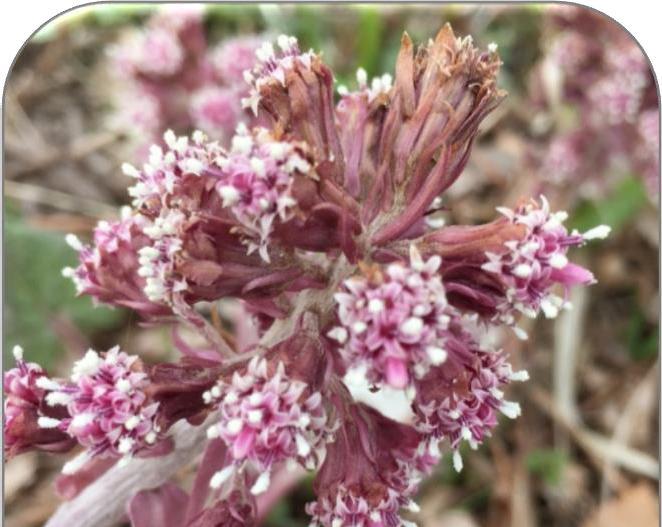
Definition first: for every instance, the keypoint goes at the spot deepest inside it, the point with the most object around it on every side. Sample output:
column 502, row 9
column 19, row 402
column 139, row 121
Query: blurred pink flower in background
column 596, row 69
column 168, row 75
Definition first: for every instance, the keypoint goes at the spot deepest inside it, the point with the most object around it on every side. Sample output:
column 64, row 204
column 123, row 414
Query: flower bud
column 26, row 387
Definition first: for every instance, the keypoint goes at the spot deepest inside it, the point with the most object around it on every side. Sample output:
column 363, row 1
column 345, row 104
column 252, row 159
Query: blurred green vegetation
column 641, row 338
column 349, row 36
column 37, row 295
column 619, row 208
column 548, row 464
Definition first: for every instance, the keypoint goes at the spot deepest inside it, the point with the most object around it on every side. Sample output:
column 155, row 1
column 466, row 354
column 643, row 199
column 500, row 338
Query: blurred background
column 97, row 86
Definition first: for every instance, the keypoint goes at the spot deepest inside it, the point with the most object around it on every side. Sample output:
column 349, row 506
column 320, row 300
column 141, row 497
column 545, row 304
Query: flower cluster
column 24, row 406
column 21, row 386
column 109, row 270
column 256, row 182
column 108, row 410
column 458, row 385
column 533, row 264
column 596, row 69
column 394, row 322
column 462, row 402
column 170, row 76
column 267, row 418
column 272, row 66
column 318, row 221
column 159, row 258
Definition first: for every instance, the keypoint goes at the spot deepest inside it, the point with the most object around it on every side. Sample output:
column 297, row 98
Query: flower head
column 109, row 411
column 164, row 178
column 461, row 400
column 25, row 386
column 394, row 321
column 109, row 269
column 255, row 183
column 20, row 383
column 272, row 65
column 267, row 418
column 531, row 265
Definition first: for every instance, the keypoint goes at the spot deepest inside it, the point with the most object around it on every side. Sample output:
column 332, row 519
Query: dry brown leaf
column 637, row 505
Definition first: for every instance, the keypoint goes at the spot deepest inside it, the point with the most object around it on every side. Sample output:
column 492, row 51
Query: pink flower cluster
column 595, row 68
column 24, row 406
column 406, row 321
column 536, row 262
column 21, row 387
column 256, row 181
column 172, row 77
column 108, row 270
column 394, row 321
column 108, row 410
column 200, row 211
column 462, row 401
column 317, row 222
column 267, row 418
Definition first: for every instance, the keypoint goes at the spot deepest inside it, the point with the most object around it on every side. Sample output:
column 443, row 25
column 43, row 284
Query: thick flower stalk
column 317, row 221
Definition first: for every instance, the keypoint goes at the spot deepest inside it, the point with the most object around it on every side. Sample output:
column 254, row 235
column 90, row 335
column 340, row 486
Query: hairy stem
column 103, row 503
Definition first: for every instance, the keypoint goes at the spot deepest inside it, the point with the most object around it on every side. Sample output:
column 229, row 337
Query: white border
column 23, row 17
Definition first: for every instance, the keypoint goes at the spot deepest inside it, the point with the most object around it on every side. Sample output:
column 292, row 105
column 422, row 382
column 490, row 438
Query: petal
column 396, row 373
